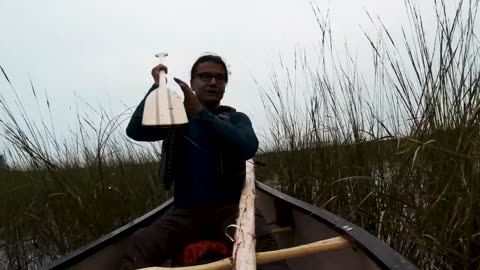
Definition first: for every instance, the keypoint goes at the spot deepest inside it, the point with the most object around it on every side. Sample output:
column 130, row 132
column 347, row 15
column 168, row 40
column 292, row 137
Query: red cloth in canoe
column 195, row 251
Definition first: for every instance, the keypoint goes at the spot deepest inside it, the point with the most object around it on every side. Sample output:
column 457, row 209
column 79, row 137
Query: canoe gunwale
column 90, row 248
column 385, row 256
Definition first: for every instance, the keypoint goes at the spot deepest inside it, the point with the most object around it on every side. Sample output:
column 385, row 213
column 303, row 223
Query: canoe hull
column 294, row 223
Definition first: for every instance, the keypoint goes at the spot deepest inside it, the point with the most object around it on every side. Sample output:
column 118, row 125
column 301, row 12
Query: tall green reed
column 397, row 154
column 58, row 195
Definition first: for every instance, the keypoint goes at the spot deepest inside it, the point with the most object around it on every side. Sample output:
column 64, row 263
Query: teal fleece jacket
column 211, row 154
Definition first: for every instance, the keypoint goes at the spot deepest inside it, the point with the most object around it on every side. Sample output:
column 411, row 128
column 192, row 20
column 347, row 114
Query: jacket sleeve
column 138, row 132
column 237, row 135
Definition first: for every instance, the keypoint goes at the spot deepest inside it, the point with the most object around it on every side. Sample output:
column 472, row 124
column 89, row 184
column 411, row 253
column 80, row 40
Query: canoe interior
column 306, row 229
column 283, row 212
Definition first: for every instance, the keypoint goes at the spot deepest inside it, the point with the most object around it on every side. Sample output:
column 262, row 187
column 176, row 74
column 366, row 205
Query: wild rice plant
column 399, row 156
column 58, row 196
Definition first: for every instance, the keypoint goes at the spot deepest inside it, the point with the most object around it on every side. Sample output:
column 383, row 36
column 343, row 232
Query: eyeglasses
column 207, row 77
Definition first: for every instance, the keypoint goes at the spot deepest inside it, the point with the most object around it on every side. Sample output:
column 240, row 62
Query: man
column 205, row 160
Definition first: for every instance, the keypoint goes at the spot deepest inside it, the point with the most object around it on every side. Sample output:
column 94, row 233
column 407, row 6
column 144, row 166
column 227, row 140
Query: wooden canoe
column 294, row 223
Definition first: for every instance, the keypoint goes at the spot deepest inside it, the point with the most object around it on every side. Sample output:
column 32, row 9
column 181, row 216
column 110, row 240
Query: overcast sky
column 104, row 50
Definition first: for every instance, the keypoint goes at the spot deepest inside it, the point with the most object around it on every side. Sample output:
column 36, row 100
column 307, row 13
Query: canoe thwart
column 331, row 244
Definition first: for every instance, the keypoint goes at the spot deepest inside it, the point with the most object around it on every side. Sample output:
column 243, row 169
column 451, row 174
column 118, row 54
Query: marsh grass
column 397, row 153
column 58, row 196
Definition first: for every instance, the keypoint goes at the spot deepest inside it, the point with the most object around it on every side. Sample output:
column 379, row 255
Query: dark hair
column 209, row 58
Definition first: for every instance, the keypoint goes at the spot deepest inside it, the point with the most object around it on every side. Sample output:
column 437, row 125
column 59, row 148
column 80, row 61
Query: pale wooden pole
column 332, row 244
column 243, row 256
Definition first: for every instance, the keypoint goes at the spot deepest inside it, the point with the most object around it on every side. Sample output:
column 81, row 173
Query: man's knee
column 149, row 245
column 139, row 250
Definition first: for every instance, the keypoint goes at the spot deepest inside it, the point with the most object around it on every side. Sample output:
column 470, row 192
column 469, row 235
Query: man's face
column 208, row 83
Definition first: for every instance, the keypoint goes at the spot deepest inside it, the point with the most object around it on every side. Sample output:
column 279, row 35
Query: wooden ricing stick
column 332, row 244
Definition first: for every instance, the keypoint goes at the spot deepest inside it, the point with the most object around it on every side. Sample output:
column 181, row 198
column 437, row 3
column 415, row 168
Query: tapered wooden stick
column 332, row 244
